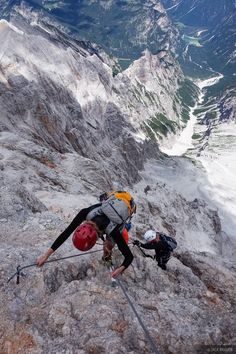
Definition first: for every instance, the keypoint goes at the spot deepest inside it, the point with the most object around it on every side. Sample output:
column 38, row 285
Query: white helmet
column 150, row 235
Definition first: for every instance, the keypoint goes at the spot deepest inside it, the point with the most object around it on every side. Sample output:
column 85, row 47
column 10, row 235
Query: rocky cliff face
column 70, row 306
column 66, row 99
column 63, row 98
column 71, row 129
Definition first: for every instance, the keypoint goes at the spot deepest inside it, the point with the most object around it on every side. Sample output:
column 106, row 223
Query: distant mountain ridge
column 207, row 48
column 216, row 22
column 124, row 29
column 199, row 12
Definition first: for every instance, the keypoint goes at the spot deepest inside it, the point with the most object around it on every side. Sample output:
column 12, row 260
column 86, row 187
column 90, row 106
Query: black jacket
column 101, row 221
column 161, row 248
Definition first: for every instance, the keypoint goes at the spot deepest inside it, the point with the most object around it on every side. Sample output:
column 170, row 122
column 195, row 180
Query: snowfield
column 217, row 160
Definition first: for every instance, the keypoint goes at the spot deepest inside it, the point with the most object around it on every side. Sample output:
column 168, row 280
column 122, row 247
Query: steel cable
column 19, row 269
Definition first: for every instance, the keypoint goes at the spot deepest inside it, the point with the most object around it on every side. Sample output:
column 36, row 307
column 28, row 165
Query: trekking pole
column 19, row 268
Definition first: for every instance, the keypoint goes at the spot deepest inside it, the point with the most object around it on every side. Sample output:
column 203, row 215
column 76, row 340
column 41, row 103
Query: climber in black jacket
column 162, row 244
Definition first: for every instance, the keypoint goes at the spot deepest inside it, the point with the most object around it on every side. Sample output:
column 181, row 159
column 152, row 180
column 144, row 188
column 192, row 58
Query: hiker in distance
column 162, row 244
column 109, row 218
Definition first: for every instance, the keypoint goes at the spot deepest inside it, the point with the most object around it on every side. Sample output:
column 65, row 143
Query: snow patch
column 218, row 162
column 172, row 7
column 200, row 32
column 5, row 24
column 140, row 136
column 184, row 141
column 220, row 165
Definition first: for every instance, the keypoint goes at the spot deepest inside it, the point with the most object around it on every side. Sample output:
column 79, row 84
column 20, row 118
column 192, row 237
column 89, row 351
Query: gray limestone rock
column 69, row 131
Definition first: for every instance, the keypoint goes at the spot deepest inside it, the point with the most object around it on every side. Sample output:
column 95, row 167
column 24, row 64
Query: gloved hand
column 136, row 243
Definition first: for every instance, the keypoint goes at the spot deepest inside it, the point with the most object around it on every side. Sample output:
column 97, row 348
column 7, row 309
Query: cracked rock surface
column 63, row 142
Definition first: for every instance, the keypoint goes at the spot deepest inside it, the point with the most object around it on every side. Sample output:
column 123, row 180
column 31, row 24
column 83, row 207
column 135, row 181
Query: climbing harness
column 149, row 338
column 19, row 269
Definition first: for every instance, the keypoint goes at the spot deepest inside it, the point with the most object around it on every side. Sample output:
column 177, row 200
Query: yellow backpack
column 127, row 198
column 118, row 206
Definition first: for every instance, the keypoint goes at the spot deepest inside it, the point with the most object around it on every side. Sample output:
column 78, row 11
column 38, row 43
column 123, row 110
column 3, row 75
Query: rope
column 149, row 338
column 19, row 269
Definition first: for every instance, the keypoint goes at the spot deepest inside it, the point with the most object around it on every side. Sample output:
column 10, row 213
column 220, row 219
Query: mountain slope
column 59, row 97
column 209, row 29
column 71, row 129
column 124, row 29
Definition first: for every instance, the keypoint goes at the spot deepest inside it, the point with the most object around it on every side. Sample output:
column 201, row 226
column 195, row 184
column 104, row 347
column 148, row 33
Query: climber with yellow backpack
column 114, row 208
column 109, row 218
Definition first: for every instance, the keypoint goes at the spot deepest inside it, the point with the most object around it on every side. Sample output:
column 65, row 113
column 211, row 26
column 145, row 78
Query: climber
column 109, row 218
column 109, row 244
column 162, row 244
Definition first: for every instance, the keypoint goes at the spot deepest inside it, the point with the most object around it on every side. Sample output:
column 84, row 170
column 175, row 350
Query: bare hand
column 42, row 259
column 117, row 271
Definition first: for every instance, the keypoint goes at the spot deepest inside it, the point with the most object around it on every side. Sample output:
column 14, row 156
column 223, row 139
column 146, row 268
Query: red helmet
column 85, row 237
